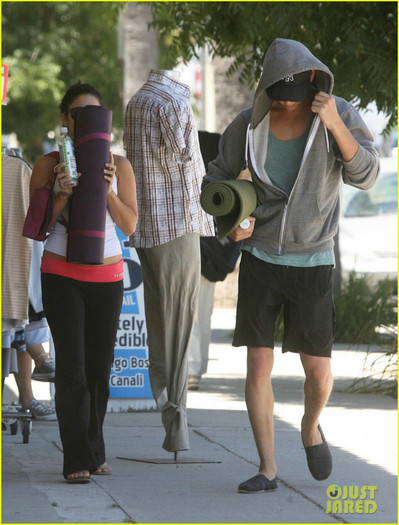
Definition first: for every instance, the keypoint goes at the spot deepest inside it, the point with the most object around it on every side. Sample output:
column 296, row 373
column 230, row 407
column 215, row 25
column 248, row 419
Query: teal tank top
column 284, row 159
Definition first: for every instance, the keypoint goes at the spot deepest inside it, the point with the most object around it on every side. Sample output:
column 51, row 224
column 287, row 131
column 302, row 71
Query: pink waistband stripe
column 95, row 274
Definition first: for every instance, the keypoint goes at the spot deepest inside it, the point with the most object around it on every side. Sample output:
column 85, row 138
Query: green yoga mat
column 230, row 202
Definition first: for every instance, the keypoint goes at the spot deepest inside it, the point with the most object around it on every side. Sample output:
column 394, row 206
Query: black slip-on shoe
column 319, row 458
column 258, row 483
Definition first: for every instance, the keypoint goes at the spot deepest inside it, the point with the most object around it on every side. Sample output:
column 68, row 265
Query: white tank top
column 57, row 240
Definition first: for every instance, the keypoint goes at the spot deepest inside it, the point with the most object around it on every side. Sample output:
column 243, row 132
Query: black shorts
column 306, row 296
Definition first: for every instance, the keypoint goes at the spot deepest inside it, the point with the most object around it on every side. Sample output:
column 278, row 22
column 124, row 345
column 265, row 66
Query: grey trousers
column 171, row 276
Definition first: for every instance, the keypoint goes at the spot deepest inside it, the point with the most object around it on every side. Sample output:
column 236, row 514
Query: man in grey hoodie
column 296, row 144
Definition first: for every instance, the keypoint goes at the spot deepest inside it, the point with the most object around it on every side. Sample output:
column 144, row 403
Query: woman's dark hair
column 75, row 91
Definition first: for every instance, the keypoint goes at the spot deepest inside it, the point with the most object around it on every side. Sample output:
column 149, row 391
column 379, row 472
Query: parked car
column 368, row 234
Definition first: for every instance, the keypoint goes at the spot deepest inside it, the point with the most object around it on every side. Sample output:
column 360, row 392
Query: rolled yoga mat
column 89, row 202
column 230, row 202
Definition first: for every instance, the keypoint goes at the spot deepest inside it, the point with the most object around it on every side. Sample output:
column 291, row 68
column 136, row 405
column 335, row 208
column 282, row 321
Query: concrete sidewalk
column 361, row 429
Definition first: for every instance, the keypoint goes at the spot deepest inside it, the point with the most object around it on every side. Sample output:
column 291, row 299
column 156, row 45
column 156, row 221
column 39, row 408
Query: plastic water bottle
column 67, row 155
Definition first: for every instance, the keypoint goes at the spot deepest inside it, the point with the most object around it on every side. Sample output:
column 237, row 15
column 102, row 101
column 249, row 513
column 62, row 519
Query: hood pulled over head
column 286, row 73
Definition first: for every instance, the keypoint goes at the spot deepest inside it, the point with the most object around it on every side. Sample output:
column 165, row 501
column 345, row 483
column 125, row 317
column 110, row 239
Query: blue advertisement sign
column 129, row 373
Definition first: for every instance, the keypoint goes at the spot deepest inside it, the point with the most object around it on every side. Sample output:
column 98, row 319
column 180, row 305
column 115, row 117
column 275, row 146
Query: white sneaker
column 45, row 371
column 40, row 412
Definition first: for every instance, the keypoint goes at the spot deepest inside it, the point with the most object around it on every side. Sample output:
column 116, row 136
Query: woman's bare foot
column 103, row 470
column 82, row 476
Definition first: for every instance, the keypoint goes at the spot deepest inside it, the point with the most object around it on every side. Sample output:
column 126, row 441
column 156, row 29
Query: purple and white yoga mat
column 89, row 202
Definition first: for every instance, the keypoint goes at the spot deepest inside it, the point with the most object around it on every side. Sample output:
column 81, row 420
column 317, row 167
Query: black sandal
column 319, row 458
column 257, row 484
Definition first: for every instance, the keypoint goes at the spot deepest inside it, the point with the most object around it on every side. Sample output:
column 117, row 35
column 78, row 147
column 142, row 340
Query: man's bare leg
column 260, row 404
column 23, row 379
column 317, row 388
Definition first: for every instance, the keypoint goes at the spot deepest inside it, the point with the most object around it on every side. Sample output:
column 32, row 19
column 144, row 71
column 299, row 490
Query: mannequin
column 161, row 141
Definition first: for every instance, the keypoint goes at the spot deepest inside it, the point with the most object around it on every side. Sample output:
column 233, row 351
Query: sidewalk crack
column 128, row 518
column 282, row 481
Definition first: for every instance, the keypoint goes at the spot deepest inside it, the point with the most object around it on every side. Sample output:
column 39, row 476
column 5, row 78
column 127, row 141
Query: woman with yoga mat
column 82, row 299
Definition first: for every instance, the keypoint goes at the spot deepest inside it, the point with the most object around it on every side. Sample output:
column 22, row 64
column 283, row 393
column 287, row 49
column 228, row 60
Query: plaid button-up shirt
column 161, row 142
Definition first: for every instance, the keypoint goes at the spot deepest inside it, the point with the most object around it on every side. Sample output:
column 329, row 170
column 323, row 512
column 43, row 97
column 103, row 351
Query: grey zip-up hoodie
column 306, row 220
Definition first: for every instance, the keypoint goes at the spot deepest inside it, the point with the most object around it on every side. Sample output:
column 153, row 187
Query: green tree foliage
column 357, row 40
column 49, row 46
